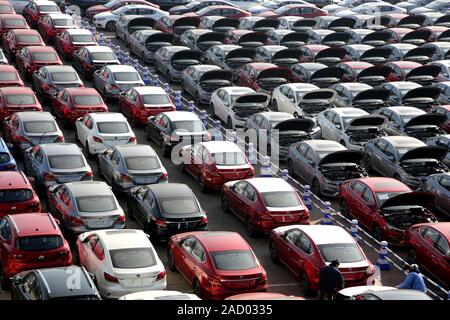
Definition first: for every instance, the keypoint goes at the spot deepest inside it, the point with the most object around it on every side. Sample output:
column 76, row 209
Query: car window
column 99, row 251
column 357, row 187
column 115, row 158
column 442, row 245
column 198, row 252
column 148, row 200
column 250, row 193
column 93, row 242
column 31, row 287
column 367, row 196
column 187, row 244
column 240, row 187
column 293, row 236
column 5, row 230
column 305, row 244
column 429, row 235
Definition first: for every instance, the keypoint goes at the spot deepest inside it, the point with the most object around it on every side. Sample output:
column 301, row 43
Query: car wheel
column 366, row 163
column 249, row 227
column 4, row 281
column 412, row 257
column 273, row 252
column 376, row 232
column 275, row 105
column 290, row 168
column 315, row 187
column 164, row 148
column 170, row 262
column 111, row 26
column 229, row 123
column 196, row 288
column 201, row 182
column 305, row 285
column 344, row 208
column 224, row 201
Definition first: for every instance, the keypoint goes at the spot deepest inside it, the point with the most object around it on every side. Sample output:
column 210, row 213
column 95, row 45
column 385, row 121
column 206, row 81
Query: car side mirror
column 151, row 118
column 17, row 280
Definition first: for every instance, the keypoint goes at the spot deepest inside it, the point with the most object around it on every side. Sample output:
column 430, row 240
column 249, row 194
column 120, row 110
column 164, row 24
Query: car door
column 145, row 204
column 298, row 157
column 289, row 251
column 441, row 193
column 190, row 81
column 364, row 207
column 309, row 165
column 235, row 197
column 195, row 261
column 325, row 123
column 391, row 159
column 377, row 155
column 183, row 258
column 425, row 249
column 112, row 166
column 83, row 126
column 221, row 107
column 57, row 202
column 6, row 244
column 353, row 198
column 105, row 163
column 440, row 258
column 86, row 253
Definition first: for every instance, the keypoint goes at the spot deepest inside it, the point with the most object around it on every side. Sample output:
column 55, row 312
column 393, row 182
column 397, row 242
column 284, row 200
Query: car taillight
column 214, row 171
column 263, row 216
column 48, row 176
column 262, row 278
column 121, row 218
column 97, row 139
column 164, row 177
column 110, row 278
column 204, row 220
column 132, row 139
column 10, row 166
column 34, row 206
column 89, row 174
column 75, row 220
column 125, row 177
column 59, row 139
column 17, row 256
column 64, row 252
column 159, row 222
column 251, row 172
column 161, row 275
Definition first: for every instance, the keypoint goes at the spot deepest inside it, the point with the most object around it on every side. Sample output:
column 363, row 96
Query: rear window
column 229, row 158
column 18, row 195
column 132, row 258
column 39, row 243
column 39, row 126
column 8, row 76
column 66, row 161
column 4, row 157
column 48, row 8
column 344, row 252
column 44, row 56
column 155, row 99
column 96, row 203
column 142, row 163
column 103, row 56
column 5, row 8
column 16, row 99
column 126, row 76
column 112, row 127
column 64, row 76
column 87, row 100
column 179, row 206
column 82, row 38
column 234, row 260
column 28, row 38
column 63, row 22
column 189, row 126
column 280, row 199
column 13, row 22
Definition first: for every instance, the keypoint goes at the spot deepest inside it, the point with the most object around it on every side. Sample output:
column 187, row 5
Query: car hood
column 241, row 53
column 417, row 37
column 225, row 75
column 331, row 54
column 186, row 21
column 366, row 121
column 375, row 71
column 265, row 24
column 377, row 38
column 343, row 156
column 376, row 55
column 304, row 24
column 330, row 72
column 295, row 37
column 425, row 152
column 186, row 55
column 160, row 37
column 409, row 199
column 252, row 98
column 276, row 72
column 226, row 23
column 211, row 36
column 253, row 37
column 373, row 94
column 422, row 92
column 444, row 36
column 336, row 39
column 427, row 70
column 411, row 21
column 344, row 22
column 427, row 119
column 142, row 21
column 443, row 21
column 305, row 125
column 424, row 54
column 287, row 53
column 319, row 95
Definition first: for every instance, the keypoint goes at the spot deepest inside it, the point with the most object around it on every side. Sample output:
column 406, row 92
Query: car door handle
column 194, row 268
column 418, row 245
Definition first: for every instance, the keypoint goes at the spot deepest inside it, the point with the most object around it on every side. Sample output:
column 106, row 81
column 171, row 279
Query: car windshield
column 344, row 252
column 233, row 260
column 323, row 154
column 39, row 126
column 142, row 163
column 155, row 99
column 383, row 196
column 438, row 5
column 126, row 76
column 16, row 195
column 103, row 56
column 14, row 22
column 82, row 38
column 177, row 206
column 405, row 90
column 301, row 93
column 402, row 150
column 64, row 76
column 280, row 199
column 119, row 10
column 96, row 203
column 48, row 8
column 192, row 4
column 229, row 158
column 28, row 38
column 63, row 23
column 281, row 9
column 8, row 76
column 189, row 126
column 87, row 100
column 44, row 56
column 4, row 157
column 132, row 258
column 347, row 120
column 112, row 127
column 111, row 4
column 39, row 243
column 16, row 99
column 69, row 161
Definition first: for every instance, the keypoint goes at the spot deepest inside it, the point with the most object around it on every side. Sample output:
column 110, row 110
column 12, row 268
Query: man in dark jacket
column 330, row 281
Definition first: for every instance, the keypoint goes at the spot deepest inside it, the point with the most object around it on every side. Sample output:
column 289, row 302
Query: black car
column 91, row 58
column 166, row 209
column 54, row 284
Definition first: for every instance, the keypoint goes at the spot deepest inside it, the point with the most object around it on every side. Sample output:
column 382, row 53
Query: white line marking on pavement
column 284, row 285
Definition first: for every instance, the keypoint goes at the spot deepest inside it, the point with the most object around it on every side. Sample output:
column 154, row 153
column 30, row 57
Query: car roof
column 181, row 115
column 33, row 224
column 59, row 68
column 170, row 190
column 25, row 31
column 349, row 111
column 200, row 31
column 206, row 67
column 270, row 184
column 43, row 2
column 324, row 234
column 406, row 64
column 135, row 150
column 221, row 240
column 35, row 116
column 173, row 49
column 324, row 145
column 160, row 295
column 16, row 90
column 221, row 146
column 353, row 291
column 382, row 184
column 56, row 281
column 52, row 149
column 276, row 115
column 358, row 64
column 88, row 188
column 301, row 86
column 403, row 141
column 442, row 227
column 74, row 91
column 121, row 68
column 402, row 110
column 108, row 116
column 7, row 68
column 78, row 31
column 41, row 49
column 123, row 239
column 227, row 46
column 262, row 65
column 93, row 49
column 444, row 62
column 13, row 180
column 11, row 16
column 237, row 90
column 355, row 85
column 149, row 90
column 59, row 16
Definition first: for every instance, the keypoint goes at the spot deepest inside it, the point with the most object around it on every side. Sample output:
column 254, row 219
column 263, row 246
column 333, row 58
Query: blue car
column 7, row 162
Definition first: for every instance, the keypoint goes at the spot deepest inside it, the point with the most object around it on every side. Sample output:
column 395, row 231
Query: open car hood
column 366, row 121
column 252, row 98
column 343, row 156
column 225, row 75
column 423, row 199
column 427, row 119
column 265, row 24
column 372, row 94
column 187, row 55
column 376, row 55
column 211, row 36
column 336, row 39
column 304, row 24
column 286, row 54
column 412, row 21
column 225, row 24
column 142, row 22
column 327, row 95
column 379, row 22
column 276, row 72
column 294, row 39
column 417, row 37
column 330, row 72
column 427, row 70
column 376, row 39
column 331, row 56
column 444, row 36
column 420, row 54
column 426, row 152
column 187, row 21
column 258, row 37
column 343, row 23
column 423, row 92
column 159, row 37
column 305, row 125
column 240, row 53
column 443, row 21
column 374, row 72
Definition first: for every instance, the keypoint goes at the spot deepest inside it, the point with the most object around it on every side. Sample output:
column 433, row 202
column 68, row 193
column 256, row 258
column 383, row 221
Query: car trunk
column 326, row 77
column 376, row 39
column 424, row 75
column 158, row 40
column 63, row 176
column 239, row 279
column 374, row 76
column 141, row 23
column 342, row 165
column 342, row 24
column 422, row 97
column 292, row 130
column 12, row 207
column 212, row 80
column 412, row 22
column 190, row 137
column 417, row 37
column 142, row 177
column 288, row 215
column 424, row 161
column 265, row 25
column 250, row 103
column 420, row 55
column 271, row 78
column 330, row 56
column 182, row 59
column 137, row 278
column 316, row 101
column 354, row 272
column 304, row 25
column 226, row 24
column 112, row 139
column 336, row 39
column 42, row 138
column 376, row 55
column 425, row 126
column 184, row 24
column 371, row 99
column 207, row 40
column 252, row 39
column 238, row 57
column 233, row 172
column 99, row 220
column 287, row 57
column 365, row 128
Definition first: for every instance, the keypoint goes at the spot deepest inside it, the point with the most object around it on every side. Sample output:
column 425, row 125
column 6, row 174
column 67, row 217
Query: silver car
column 85, row 206
column 172, row 60
column 442, row 141
column 144, row 43
column 122, row 26
column 128, row 166
column 55, row 163
column 324, row 164
column 110, row 81
column 406, row 159
column 439, row 186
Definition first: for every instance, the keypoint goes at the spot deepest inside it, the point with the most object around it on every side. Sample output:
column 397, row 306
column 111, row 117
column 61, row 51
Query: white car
column 233, row 105
column 345, row 5
column 372, row 8
column 108, row 20
column 286, row 97
column 160, row 295
column 272, row 5
column 352, row 292
column 121, row 262
column 99, row 131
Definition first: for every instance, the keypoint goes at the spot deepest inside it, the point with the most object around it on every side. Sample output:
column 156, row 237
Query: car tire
column 305, row 285
column 249, row 227
column 273, row 252
column 170, row 262
column 290, row 168
column 315, row 187
column 344, row 208
column 229, row 123
column 377, row 233
column 412, row 256
column 201, row 182
column 111, row 26
column 196, row 288
column 275, row 105
column 5, row 283
column 224, row 203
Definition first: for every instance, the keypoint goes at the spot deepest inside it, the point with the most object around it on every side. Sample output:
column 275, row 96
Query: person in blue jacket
column 414, row 279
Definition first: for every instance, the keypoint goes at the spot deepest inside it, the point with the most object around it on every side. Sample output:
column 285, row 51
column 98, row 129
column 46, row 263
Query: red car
column 263, row 296
column 72, row 103
column 214, row 163
column 218, row 264
column 71, row 40
column 442, row 109
column 223, row 11
column 139, row 103
column 252, row 75
column 14, row 40
column 296, row 10
column 52, row 24
column 113, row 5
column 429, row 246
column 264, row 204
column 30, row 59
column 352, row 69
column 31, row 241
column 12, row 21
column 315, row 48
column 177, row 24
column 17, row 194
column 33, row 11
column 9, row 77
column 305, row 249
column 15, row 99
column 400, row 69
column 385, row 206
column 233, row 36
column 6, row 8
